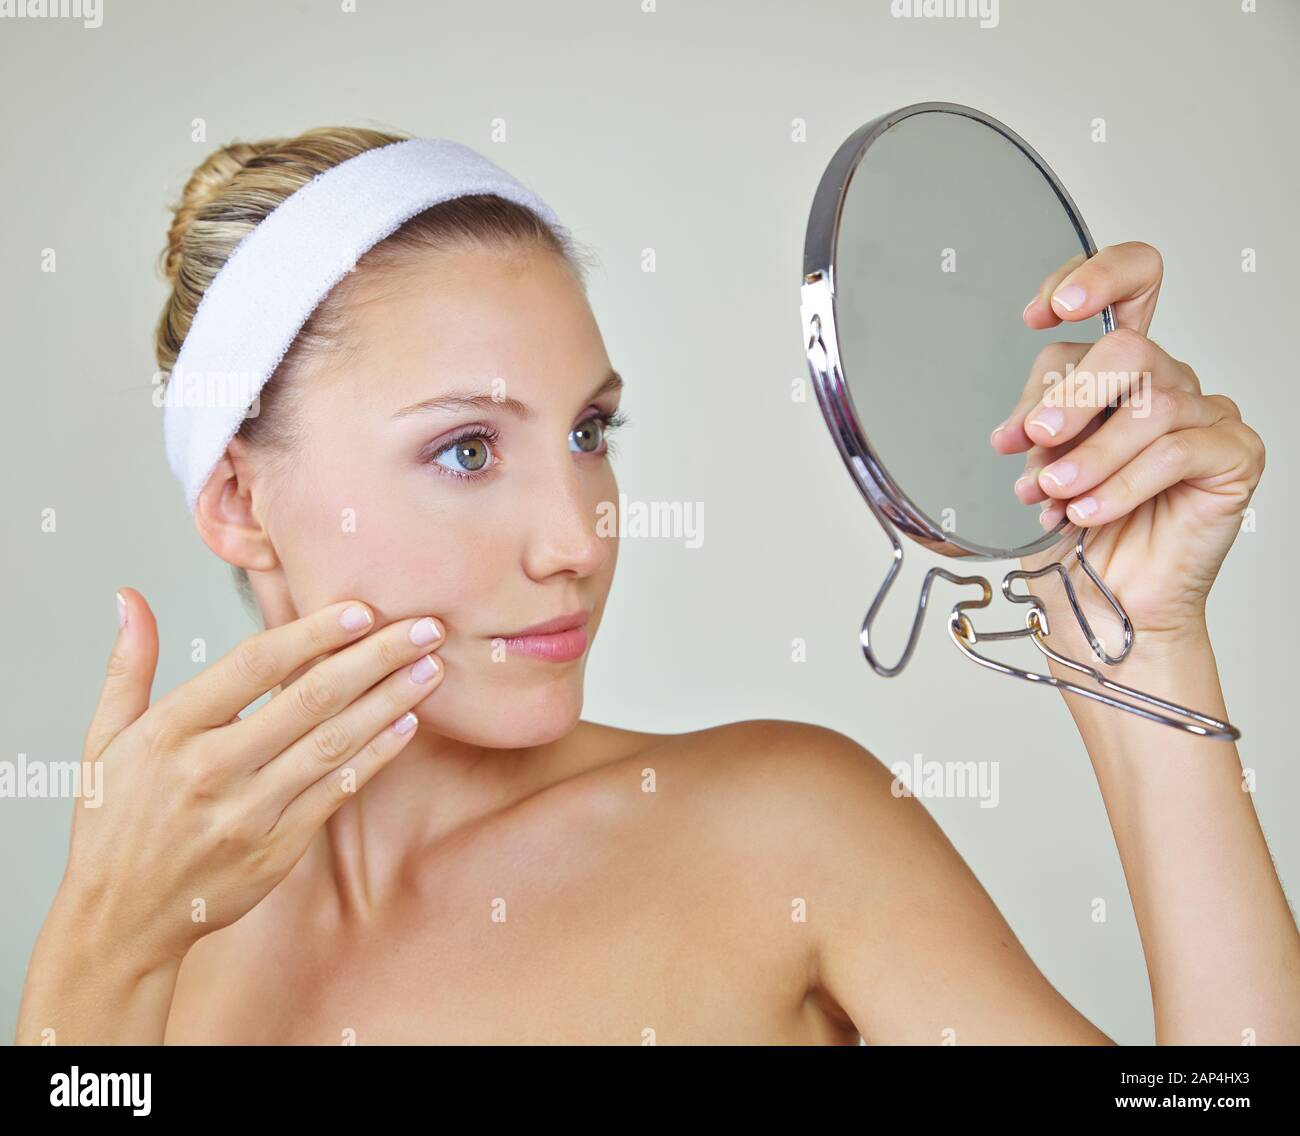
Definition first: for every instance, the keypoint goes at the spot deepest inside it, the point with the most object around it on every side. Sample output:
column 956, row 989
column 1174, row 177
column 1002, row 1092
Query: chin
column 506, row 715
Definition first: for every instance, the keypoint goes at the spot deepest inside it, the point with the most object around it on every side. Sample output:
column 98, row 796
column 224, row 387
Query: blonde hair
column 236, row 186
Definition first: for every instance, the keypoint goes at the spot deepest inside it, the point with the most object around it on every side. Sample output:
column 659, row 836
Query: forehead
column 450, row 318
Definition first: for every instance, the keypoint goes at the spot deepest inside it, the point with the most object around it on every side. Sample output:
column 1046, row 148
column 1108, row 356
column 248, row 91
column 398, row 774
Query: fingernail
column 1051, row 420
column 999, row 428
column 1069, row 297
column 422, row 670
column 1062, row 473
column 121, row 610
column 354, row 618
column 1030, row 475
column 1083, row 507
column 1028, row 306
column 425, row 632
column 1042, row 517
column 406, row 723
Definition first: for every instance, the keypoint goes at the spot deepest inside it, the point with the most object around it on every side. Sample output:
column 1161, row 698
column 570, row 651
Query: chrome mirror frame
column 818, row 311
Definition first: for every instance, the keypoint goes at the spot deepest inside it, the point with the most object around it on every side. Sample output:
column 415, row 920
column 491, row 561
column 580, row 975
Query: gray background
column 669, row 130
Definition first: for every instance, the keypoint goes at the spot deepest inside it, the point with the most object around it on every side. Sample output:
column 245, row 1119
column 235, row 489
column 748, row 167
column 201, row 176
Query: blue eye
column 468, row 454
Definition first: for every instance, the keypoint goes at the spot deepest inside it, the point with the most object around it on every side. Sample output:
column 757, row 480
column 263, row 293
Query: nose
column 562, row 529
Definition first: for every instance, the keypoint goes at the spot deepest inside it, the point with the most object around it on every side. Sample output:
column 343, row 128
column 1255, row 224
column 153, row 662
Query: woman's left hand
column 1164, row 479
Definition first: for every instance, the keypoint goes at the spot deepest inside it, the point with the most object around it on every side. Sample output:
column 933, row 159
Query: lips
column 551, row 626
column 557, row 640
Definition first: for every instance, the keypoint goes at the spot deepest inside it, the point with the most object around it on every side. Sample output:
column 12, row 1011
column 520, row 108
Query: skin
column 753, row 882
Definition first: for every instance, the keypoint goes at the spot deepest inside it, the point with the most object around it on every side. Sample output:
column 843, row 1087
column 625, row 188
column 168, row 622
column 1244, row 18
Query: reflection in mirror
column 947, row 232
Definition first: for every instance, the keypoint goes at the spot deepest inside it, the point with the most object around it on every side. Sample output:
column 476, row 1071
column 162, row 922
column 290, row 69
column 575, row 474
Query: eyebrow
column 477, row 400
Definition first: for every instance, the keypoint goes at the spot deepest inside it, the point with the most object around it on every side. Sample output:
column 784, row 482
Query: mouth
column 558, row 640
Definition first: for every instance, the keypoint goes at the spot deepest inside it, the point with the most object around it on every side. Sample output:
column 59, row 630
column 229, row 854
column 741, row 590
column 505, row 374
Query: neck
column 370, row 850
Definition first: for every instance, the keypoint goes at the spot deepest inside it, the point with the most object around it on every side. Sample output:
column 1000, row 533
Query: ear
column 225, row 517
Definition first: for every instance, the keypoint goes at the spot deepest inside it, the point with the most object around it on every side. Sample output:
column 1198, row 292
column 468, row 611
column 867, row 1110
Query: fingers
column 1091, row 468
column 1227, row 447
column 261, row 662
column 1050, row 515
column 334, row 742
column 129, row 678
column 329, row 687
column 316, row 804
column 1122, row 438
column 305, row 814
column 1047, row 371
column 1026, row 486
column 1122, row 365
column 1038, row 313
column 1125, row 276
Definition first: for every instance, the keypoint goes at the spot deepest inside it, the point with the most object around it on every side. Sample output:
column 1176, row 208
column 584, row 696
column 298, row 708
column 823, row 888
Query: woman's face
column 485, row 512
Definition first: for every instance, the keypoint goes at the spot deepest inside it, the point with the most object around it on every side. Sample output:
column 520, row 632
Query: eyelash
column 609, row 420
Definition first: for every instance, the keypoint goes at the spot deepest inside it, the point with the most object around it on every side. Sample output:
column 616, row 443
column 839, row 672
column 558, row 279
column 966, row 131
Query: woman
column 414, row 512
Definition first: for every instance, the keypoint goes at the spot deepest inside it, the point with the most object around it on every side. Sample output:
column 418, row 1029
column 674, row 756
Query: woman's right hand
column 204, row 812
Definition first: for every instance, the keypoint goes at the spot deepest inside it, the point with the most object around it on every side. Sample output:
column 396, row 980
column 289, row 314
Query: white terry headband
column 277, row 275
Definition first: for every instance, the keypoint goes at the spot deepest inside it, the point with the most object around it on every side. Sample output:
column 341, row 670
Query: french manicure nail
column 406, row 723
column 422, row 670
column 1050, row 420
column 1042, row 517
column 999, row 428
column 1028, row 306
column 1062, row 473
column 1084, row 507
column 354, row 618
column 424, row 632
column 1069, row 297
column 121, row 610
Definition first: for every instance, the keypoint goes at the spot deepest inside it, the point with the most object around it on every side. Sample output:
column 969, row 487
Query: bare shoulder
column 901, row 937
column 772, row 755
column 792, row 796
column 730, row 830
column 800, row 765
column 749, row 741
column 795, row 796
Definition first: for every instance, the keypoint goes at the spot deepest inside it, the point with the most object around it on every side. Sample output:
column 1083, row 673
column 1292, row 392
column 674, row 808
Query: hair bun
column 206, row 183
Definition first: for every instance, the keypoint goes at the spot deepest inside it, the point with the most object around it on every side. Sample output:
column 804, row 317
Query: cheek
column 410, row 563
column 404, row 571
column 348, row 532
column 403, row 558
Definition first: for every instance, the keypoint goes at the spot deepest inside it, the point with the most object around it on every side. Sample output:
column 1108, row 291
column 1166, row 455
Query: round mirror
column 932, row 229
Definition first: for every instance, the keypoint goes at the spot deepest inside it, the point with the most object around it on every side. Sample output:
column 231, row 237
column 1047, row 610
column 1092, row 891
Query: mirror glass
column 947, row 231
